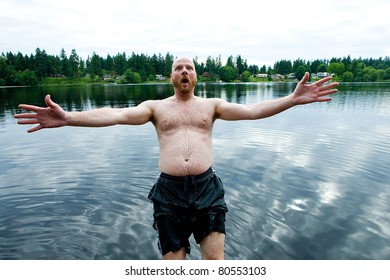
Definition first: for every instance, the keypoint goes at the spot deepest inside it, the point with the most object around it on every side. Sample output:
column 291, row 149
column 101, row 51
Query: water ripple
column 311, row 183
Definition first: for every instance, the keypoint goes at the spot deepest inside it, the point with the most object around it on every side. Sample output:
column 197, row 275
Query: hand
column 49, row 117
column 316, row 92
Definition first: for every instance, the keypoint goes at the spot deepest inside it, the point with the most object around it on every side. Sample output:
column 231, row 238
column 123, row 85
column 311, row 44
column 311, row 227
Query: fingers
column 38, row 127
column 323, row 81
column 28, row 121
column 327, row 92
column 49, row 102
column 30, row 118
column 33, row 108
column 324, row 99
column 25, row 116
column 29, row 107
column 305, row 78
column 329, row 86
column 328, row 89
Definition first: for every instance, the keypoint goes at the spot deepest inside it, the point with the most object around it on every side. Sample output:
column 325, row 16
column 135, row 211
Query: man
column 188, row 197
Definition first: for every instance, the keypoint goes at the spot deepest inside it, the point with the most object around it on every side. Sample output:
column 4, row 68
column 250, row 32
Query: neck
column 184, row 96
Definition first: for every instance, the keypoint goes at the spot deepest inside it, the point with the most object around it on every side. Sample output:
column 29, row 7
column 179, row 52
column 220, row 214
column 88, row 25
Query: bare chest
column 195, row 116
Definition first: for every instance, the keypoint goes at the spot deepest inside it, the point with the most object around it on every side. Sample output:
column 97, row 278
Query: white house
column 291, row 76
column 160, row 77
column 323, row 74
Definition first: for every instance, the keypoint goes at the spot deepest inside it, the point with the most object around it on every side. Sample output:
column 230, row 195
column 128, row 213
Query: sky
column 262, row 32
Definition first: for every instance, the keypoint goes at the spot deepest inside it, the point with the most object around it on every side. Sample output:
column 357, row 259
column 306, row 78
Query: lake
column 310, row 183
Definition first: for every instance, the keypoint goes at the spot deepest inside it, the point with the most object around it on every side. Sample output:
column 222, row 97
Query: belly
column 185, row 153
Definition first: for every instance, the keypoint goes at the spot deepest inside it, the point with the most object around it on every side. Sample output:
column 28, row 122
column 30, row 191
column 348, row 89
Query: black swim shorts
column 187, row 205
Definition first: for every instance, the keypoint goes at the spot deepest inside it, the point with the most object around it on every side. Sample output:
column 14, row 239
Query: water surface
column 310, row 183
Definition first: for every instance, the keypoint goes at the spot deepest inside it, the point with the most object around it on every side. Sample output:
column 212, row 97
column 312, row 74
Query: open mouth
column 185, row 81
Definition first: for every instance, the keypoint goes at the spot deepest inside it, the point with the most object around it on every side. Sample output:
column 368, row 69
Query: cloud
column 262, row 33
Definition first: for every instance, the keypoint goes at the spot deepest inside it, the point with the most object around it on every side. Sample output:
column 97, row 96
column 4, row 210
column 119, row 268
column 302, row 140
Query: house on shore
column 160, row 77
column 320, row 75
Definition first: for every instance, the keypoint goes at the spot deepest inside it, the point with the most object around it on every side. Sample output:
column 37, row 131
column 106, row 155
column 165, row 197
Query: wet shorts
column 187, row 205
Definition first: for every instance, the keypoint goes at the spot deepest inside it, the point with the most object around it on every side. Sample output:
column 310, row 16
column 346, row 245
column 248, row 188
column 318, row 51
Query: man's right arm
column 138, row 115
column 54, row 116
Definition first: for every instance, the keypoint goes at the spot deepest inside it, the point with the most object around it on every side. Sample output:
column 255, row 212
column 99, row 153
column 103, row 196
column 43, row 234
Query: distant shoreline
column 168, row 83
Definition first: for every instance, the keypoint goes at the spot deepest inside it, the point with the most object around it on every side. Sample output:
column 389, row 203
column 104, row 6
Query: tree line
column 343, row 69
column 22, row 69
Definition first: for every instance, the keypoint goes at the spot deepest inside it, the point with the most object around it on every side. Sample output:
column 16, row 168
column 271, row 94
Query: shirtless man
column 188, row 197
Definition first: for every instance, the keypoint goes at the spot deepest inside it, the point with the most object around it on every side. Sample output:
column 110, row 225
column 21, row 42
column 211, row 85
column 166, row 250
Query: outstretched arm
column 303, row 94
column 54, row 116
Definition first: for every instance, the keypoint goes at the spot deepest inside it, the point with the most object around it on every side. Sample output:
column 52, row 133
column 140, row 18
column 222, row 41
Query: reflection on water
column 311, row 183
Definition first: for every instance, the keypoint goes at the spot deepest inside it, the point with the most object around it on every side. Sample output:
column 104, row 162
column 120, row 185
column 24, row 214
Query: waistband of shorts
column 198, row 177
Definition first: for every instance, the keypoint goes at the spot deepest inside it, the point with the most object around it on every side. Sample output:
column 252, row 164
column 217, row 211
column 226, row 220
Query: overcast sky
column 262, row 32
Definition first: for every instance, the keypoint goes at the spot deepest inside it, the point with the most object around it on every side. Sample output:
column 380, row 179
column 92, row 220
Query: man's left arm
column 303, row 94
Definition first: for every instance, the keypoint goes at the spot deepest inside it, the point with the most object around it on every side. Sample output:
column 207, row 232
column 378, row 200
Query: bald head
column 182, row 60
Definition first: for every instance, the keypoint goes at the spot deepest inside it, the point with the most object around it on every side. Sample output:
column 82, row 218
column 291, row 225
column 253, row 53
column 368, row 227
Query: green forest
column 42, row 68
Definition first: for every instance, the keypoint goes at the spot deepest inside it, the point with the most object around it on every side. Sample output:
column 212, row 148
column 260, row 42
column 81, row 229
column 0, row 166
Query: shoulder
column 212, row 105
column 216, row 103
column 215, row 100
column 210, row 101
column 157, row 107
column 149, row 103
column 153, row 104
